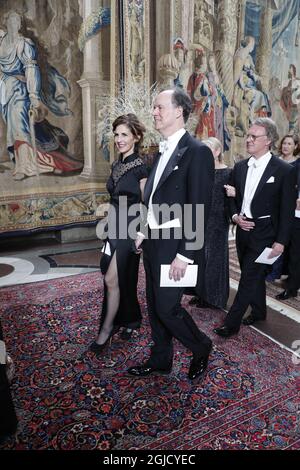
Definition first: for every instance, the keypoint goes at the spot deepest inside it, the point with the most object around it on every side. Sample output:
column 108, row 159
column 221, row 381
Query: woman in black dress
column 216, row 279
column 120, row 262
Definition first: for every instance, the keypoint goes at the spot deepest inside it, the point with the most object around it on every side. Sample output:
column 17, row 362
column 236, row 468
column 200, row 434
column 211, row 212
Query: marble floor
column 48, row 260
column 32, row 261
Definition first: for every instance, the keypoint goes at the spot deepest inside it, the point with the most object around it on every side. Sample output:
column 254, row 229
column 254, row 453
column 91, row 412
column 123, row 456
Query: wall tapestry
column 282, row 99
column 243, row 62
column 41, row 141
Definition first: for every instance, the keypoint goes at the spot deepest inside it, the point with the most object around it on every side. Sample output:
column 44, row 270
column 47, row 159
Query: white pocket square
column 176, row 168
column 271, row 179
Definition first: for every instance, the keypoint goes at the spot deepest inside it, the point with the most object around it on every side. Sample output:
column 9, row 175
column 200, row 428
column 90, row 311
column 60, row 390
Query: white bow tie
column 163, row 146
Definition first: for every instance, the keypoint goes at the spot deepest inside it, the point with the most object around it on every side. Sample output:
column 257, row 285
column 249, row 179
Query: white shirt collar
column 260, row 161
column 176, row 136
column 171, row 142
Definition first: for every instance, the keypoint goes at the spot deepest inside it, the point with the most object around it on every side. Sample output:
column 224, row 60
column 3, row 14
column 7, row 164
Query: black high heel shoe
column 98, row 348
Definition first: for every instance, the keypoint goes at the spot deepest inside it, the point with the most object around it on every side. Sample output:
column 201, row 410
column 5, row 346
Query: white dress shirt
column 170, row 145
column 168, row 148
column 256, row 168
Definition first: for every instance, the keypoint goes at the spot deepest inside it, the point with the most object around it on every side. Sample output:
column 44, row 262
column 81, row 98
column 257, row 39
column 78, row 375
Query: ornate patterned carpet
column 66, row 398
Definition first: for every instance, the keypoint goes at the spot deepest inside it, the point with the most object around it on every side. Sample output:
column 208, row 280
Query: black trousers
column 252, row 287
column 293, row 282
column 168, row 319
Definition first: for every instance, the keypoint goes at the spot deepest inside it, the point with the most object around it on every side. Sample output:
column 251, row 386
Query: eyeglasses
column 254, row 137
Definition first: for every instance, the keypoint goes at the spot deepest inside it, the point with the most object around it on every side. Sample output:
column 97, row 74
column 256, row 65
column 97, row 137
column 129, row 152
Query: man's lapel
column 243, row 176
column 173, row 161
column 269, row 171
column 180, row 149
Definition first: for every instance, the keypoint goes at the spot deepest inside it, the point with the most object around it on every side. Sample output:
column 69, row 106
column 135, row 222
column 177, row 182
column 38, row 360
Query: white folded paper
column 189, row 279
column 263, row 257
column 174, row 223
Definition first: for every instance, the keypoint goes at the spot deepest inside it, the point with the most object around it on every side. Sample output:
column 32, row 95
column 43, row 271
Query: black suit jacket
column 274, row 195
column 298, row 175
column 187, row 180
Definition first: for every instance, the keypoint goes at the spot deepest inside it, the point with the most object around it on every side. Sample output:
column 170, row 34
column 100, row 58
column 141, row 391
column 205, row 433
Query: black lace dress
column 216, row 289
column 125, row 196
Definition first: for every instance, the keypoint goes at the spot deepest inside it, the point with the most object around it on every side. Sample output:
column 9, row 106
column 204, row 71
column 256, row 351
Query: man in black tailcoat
column 293, row 280
column 263, row 210
column 181, row 180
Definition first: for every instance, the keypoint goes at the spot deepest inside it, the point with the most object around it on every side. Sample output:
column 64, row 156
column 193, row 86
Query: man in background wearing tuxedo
column 263, row 211
column 293, row 280
column 182, row 176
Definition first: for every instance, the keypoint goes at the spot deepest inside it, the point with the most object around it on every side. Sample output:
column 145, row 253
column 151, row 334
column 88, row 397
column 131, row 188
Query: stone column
column 184, row 21
column 164, row 27
column 95, row 89
column 183, row 18
column 264, row 51
column 187, row 32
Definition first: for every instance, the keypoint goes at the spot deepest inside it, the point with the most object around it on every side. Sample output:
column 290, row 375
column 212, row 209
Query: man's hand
column 177, row 269
column 244, row 224
column 277, row 249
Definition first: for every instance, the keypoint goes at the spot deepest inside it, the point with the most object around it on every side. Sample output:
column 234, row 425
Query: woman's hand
column 230, row 190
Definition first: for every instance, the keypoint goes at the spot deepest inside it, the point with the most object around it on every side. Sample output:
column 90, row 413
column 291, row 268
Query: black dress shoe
column 251, row 319
column 144, row 370
column 198, row 366
column 225, row 331
column 286, row 294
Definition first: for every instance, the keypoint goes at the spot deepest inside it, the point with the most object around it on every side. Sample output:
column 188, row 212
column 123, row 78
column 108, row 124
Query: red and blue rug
column 67, row 398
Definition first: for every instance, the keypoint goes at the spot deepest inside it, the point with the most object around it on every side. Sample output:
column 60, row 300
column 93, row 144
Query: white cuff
column 183, row 258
